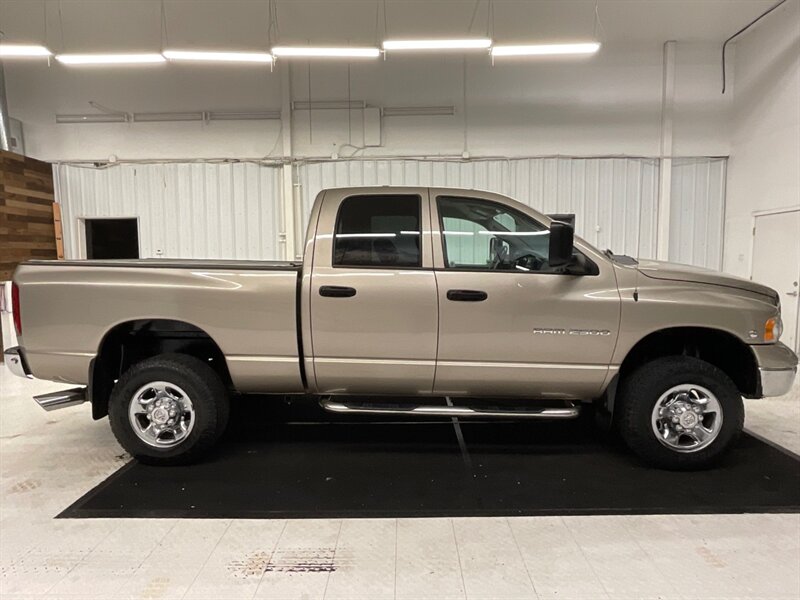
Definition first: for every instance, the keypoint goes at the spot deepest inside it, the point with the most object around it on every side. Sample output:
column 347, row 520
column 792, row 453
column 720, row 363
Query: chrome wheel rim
column 161, row 414
column 687, row 418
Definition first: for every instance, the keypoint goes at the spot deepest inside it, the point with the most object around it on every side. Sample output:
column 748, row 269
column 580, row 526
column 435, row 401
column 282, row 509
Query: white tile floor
column 47, row 460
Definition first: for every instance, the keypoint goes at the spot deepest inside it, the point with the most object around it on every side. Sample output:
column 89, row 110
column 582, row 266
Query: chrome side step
column 62, row 399
column 567, row 412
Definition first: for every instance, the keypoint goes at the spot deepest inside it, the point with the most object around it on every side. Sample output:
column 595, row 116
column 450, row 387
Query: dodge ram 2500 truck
column 467, row 302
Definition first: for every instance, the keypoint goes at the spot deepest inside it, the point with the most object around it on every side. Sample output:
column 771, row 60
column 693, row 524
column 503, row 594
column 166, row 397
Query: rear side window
column 378, row 231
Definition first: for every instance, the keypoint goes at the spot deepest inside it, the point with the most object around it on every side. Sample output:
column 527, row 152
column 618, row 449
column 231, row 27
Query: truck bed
column 177, row 263
column 248, row 308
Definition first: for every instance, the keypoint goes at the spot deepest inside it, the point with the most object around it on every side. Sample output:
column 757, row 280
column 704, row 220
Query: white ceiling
column 126, row 25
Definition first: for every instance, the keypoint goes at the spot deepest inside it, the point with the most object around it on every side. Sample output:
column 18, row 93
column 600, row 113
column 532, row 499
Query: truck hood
column 677, row 272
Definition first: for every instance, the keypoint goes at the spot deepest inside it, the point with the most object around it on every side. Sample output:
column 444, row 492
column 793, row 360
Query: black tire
column 640, row 391
column 203, row 386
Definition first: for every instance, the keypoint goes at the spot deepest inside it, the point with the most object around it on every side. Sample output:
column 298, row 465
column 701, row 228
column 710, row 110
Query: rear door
column 508, row 323
column 373, row 305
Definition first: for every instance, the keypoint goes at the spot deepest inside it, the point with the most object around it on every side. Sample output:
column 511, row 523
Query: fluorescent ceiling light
column 93, row 118
column 167, row 116
column 418, row 111
column 328, row 105
column 23, row 51
column 244, row 116
column 109, row 59
column 466, row 44
column 198, row 55
column 157, row 117
column 546, row 49
column 318, row 52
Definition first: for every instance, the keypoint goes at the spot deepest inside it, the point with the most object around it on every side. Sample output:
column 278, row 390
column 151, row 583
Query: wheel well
column 723, row 350
column 133, row 341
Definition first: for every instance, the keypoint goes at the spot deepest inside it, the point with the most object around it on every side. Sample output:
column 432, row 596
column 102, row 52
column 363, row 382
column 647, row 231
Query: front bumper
column 776, row 382
column 15, row 359
column 777, row 368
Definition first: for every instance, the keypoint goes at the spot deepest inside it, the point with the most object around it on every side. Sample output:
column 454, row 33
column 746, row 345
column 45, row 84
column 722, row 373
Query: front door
column 776, row 263
column 509, row 323
column 373, row 307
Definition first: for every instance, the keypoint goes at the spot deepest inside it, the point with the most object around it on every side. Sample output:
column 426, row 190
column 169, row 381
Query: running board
column 62, row 399
column 567, row 412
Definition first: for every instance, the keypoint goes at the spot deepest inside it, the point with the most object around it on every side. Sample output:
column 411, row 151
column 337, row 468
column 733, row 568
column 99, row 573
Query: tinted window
column 479, row 234
column 378, row 231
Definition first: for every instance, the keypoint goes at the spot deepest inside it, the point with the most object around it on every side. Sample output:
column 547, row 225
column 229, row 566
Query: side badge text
column 548, row 331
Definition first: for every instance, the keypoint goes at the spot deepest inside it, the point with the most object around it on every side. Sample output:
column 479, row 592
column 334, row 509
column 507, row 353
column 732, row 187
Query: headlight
column 773, row 329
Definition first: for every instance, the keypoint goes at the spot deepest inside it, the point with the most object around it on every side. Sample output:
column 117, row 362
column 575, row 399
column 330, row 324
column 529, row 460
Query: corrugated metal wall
column 697, row 211
column 614, row 199
column 189, row 210
column 232, row 210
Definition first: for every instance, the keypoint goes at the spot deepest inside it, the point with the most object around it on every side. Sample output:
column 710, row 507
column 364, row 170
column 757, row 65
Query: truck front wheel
column 169, row 409
column 679, row 412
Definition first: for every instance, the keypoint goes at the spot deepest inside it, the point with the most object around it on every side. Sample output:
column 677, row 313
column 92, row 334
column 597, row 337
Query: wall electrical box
column 16, row 141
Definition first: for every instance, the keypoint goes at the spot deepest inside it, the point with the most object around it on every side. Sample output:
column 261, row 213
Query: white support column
column 665, row 171
column 287, row 180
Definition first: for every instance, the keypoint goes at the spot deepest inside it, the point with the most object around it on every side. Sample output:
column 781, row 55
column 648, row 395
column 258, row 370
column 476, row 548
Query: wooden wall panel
column 26, row 211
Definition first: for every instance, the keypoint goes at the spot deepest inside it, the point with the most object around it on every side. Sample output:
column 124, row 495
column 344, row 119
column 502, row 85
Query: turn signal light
column 773, row 329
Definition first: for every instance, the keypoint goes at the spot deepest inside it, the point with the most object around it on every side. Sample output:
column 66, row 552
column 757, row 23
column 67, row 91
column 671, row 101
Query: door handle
column 337, row 291
column 467, row 295
column 792, row 293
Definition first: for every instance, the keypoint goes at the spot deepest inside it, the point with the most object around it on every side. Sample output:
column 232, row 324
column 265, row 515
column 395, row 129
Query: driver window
column 479, row 234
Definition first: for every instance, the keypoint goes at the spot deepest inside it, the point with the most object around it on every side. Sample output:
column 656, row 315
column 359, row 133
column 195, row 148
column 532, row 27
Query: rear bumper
column 15, row 359
column 777, row 368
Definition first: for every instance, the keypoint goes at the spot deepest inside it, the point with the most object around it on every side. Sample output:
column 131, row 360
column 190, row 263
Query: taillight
column 15, row 308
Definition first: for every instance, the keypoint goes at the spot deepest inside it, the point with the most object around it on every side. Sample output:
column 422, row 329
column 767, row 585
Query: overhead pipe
column 5, row 131
column 740, row 32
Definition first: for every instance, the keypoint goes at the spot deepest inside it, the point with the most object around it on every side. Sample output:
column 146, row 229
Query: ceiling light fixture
column 23, row 51
column 92, row 118
column 210, row 56
column 465, row 44
column 546, row 49
column 109, row 59
column 328, row 105
column 418, row 111
column 319, row 52
column 260, row 115
column 167, row 116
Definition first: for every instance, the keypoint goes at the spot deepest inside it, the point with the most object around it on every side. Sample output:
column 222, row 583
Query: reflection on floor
column 47, row 460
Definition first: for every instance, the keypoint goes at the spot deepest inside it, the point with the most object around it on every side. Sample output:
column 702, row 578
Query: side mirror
column 561, row 239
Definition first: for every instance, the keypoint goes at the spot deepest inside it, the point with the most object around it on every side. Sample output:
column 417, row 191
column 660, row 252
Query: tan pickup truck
column 420, row 301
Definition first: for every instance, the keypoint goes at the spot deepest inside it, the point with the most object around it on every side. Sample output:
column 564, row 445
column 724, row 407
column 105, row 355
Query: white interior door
column 776, row 263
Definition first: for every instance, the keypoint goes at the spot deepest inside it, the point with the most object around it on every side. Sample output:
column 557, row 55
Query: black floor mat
column 290, row 460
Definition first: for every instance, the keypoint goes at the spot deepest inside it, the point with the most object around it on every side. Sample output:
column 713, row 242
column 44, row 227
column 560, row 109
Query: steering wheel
column 499, row 257
column 530, row 261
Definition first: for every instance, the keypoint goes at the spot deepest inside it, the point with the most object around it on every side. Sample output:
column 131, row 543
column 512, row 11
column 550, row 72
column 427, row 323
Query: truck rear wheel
column 169, row 409
column 679, row 412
